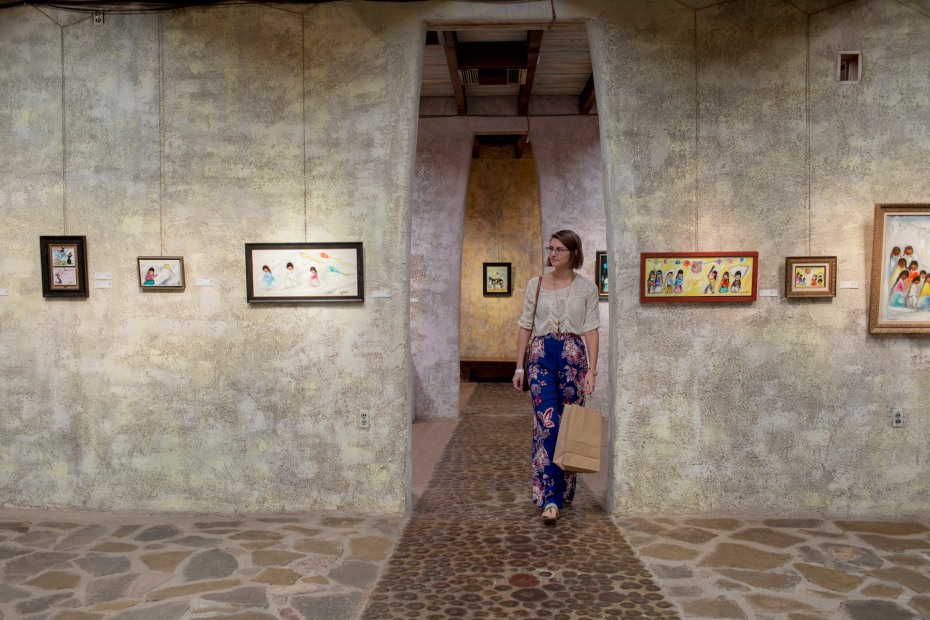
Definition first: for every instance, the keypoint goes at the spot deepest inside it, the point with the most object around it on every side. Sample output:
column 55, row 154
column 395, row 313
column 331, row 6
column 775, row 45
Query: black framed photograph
column 600, row 273
column 497, row 280
column 64, row 266
column 304, row 272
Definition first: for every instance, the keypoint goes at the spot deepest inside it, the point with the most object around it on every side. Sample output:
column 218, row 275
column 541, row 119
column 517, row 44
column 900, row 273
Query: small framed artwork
column 160, row 273
column 698, row 276
column 600, row 273
column 64, row 266
column 304, row 272
column 899, row 293
column 497, row 280
column 810, row 276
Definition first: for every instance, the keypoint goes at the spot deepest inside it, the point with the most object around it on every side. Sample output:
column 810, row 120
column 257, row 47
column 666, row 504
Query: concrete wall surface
column 193, row 132
column 725, row 129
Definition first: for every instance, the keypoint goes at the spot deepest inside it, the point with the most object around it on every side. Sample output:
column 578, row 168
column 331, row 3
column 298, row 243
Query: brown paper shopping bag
column 578, row 447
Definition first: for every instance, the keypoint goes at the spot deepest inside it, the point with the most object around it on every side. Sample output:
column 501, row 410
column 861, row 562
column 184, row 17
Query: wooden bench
column 475, row 369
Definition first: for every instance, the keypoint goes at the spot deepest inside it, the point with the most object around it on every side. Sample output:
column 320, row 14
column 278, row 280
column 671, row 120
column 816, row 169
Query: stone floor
column 83, row 566
column 473, row 548
column 476, row 547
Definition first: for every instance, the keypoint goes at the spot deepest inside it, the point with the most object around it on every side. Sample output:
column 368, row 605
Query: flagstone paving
column 474, row 548
column 792, row 569
column 71, row 565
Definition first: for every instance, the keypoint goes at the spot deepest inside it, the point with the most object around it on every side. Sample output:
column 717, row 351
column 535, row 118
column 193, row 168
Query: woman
column 563, row 360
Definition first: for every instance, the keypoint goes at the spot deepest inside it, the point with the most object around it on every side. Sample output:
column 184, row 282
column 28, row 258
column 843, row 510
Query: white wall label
column 849, row 284
column 768, row 292
column 103, row 275
column 205, row 282
column 382, row 293
column 414, row 300
column 4, row 292
column 103, row 283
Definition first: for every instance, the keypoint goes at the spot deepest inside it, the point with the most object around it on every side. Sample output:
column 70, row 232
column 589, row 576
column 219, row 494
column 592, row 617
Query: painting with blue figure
column 161, row 273
column 299, row 272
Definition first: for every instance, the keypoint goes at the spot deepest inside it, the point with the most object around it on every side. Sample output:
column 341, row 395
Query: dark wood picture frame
column 601, row 275
column 493, row 285
column 694, row 269
column 810, row 276
column 64, row 266
column 174, row 280
column 305, row 272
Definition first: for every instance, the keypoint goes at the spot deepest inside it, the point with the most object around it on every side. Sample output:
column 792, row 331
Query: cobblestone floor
column 474, row 548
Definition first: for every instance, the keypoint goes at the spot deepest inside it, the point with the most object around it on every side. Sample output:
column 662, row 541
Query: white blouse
column 571, row 310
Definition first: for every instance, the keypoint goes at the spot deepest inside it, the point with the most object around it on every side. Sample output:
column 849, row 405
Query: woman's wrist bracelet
column 518, row 371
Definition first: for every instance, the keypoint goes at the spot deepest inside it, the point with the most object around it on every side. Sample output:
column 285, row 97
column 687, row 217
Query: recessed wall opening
column 500, row 244
column 508, row 152
column 848, row 67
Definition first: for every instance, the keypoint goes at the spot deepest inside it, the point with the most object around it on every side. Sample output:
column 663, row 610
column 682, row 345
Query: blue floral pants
column 558, row 363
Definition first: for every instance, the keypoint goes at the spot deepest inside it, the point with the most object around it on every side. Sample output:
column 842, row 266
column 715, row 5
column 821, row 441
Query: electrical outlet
column 98, row 18
column 363, row 419
column 897, row 418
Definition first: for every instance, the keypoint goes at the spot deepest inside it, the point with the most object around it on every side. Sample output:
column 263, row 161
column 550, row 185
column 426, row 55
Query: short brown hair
column 572, row 242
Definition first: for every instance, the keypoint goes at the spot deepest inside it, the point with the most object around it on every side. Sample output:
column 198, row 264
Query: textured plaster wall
column 722, row 131
column 191, row 133
column 501, row 225
column 196, row 131
column 566, row 151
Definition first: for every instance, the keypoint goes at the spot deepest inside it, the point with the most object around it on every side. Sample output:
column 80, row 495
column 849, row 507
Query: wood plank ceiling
column 502, row 62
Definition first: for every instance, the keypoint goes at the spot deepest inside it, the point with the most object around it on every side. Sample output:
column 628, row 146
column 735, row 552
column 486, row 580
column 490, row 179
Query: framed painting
column 810, row 276
column 304, row 272
column 64, row 266
column 600, row 273
column 160, row 273
column 698, row 276
column 497, row 280
column 899, row 293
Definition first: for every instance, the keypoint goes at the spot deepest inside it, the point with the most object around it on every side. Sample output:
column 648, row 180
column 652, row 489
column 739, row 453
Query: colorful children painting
column 156, row 272
column 810, row 276
column 681, row 276
column 301, row 272
column 906, row 289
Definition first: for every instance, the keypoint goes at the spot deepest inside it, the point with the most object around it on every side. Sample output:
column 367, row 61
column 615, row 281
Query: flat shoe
column 550, row 514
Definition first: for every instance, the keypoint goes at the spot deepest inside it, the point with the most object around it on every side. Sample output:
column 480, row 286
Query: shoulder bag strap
column 535, row 304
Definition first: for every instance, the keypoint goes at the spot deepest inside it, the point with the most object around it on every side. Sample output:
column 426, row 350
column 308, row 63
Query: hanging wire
column 121, row 6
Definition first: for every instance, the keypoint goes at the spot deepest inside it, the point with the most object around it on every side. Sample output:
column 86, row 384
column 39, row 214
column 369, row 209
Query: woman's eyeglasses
column 552, row 250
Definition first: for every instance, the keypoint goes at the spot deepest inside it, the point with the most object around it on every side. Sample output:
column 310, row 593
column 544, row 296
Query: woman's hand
column 590, row 380
column 518, row 379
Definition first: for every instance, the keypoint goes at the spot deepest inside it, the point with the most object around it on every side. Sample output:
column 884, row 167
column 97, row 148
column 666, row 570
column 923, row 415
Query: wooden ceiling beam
column 450, row 46
column 533, row 42
column 588, row 97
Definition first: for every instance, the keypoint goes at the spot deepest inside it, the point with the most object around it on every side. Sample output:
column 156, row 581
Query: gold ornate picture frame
column 899, row 292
